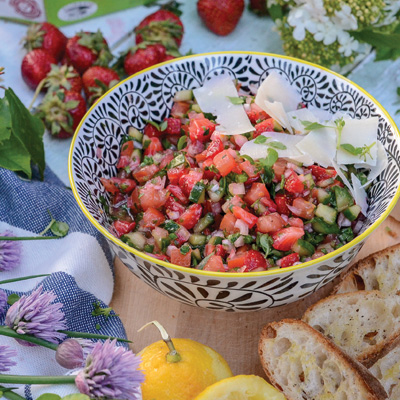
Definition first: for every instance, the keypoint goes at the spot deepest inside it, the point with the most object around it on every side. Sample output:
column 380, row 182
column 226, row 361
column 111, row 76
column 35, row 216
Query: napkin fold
column 80, row 265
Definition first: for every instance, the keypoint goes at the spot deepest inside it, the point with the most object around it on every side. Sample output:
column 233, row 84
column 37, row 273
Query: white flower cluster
column 311, row 15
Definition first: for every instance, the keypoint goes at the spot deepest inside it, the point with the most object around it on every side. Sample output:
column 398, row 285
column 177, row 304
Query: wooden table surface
column 233, row 335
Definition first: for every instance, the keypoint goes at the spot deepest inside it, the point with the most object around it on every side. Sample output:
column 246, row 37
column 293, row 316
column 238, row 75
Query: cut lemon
column 241, row 387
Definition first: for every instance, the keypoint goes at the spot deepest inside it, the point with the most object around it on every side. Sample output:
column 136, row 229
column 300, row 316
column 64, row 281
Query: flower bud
column 69, row 354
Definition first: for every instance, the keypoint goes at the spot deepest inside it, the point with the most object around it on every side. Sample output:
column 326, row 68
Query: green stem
column 37, row 380
column 28, row 237
column 9, row 394
column 24, row 278
column 37, row 91
column 92, row 336
column 6, row 331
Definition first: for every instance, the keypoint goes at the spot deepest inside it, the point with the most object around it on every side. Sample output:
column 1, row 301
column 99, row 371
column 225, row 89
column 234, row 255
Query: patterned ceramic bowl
column 148, row 95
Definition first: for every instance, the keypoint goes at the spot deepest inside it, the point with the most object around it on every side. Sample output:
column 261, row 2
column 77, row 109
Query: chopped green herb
column 362, row 152
column 185, row 249
column 312, row 126
column 106, row 311
column 249, row 159
column 147, row 160
column 270, row 160
column 171, row 226
column 282, row 181
column 237, row 100
column 181, row 142
column 277, row 145
column 260, row 139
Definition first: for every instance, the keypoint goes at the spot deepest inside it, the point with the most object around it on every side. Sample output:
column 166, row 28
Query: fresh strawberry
column 98, row 80
column 64, row 77
column 162, row 26
column 258, row 7
column 47, row 37
column 86, row 49
column 143, row 56
column 61, row 112
column 35, row 66
column 220, row 16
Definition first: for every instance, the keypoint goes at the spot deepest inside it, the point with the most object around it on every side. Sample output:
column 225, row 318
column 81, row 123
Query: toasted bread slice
column 361, row 323
column 379, row 271
column 387, row 370
column 305, row 365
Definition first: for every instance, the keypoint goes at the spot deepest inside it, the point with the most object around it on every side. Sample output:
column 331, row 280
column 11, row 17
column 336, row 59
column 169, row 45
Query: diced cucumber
column 149, row 248
column 195, row 107
column 277, row 127
column 216, row 196
column 197, row 239
column 135, row 134
column 328, row 214
column 197, row 194
column 326, row 182
column 308, row 181
column 145, row 142
column 343, row 198
column 136, row 155
column 215, row 240
column 178, row 160
column 183, row 95
column 196, row 254
column 181, row 143
column 323, row 196
column 320, row 226
column 134, row 239
column 304, row 248
column 352, row 212
column 202, row 224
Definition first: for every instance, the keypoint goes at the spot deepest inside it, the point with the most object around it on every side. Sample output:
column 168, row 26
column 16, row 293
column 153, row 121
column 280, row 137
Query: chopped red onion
column 183, row 234
column 239, row 242
column 308, row 228
column 246, row 107
column 287, row 173
column 357, row 227
column 237, row 188
column 295, row 168
column 169, row 249
column 343, row 221
column 240, row 140
column 242, row 226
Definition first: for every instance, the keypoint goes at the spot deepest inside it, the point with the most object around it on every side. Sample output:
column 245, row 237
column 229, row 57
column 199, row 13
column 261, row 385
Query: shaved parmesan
column 277, row 88
column 322, row 115
column 212, row 97
column 302, row 114
column 359, row 194
column 320, row 145
column 359, row 133
column 338, row 169
column 381, row 164
column 278, row 113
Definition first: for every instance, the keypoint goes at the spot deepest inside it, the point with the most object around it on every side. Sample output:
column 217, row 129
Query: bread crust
column 352, row 280
column 365, row 379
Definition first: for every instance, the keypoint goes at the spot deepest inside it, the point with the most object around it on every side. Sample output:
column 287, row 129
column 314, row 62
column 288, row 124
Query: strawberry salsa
column 184, row 194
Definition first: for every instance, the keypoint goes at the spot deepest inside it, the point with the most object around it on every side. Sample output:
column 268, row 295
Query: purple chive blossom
column 5, row 354
column 3, row 301
column 110, row 372
column 10, row 253
column 35, row 315
column 72, row 353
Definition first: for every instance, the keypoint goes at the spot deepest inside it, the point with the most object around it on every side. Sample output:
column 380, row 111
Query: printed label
column 77, row 10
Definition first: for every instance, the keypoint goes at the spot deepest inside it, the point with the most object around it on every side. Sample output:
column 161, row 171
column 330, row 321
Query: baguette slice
column 379, row 271
column 361, row 323
column 305, row 365
column 387, row 370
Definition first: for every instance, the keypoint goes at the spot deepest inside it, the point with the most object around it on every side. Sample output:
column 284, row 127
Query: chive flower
column 5, row 358
column 10, row 253
column 37, row 315
column 3, row 301
column 110, row 372
column 72, row 353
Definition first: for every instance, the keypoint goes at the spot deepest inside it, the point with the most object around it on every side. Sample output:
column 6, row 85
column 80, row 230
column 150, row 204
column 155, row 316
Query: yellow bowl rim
column 235, row 275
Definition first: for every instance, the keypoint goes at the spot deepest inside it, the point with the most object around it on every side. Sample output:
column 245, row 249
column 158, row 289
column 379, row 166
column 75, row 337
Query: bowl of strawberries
column 236, row 181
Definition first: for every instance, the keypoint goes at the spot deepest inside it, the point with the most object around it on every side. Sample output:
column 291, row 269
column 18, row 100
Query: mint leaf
column 260, row 139
column 311, row 126
column 277, row 145
column 236, row 100
column 28, row 129
column 152, row 123
column 271, row 158
column 163, row 126
column 351, row 149
column 265, row 242
column 12, row 298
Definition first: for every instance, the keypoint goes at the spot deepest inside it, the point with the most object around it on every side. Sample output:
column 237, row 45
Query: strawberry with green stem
column 35, row 67
column 86, row 49
column 47, row 37
column 61, row 112
column 97, row 81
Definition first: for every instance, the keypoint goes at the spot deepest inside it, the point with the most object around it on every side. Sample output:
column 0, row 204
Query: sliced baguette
column 387, row 370
column 305, row 365
column 379, row 271
column 361, row 323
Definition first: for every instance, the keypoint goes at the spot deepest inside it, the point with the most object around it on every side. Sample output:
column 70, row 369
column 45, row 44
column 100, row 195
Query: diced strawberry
column 177, row 258
column 178, row 193
column 146, row 173
column 322, row 173
column 173, row 127
column 180, row 109
column 289, row 260
column 152, row 218
column 256, row 192
column 285, row 238
column 264, row 126
column 215, row 264
column 245, row 216
column 270, row 223
column 281, row 202
column 224, row 162
column 127, row 148
column 123, row 227
column 115, row 185
column 191, row 216
column 293, row 184
column 201, row 129
column 254, row 260
column 186, row 182
column 151, row 131
column 173, row 209
column 228, row 224
column 154, row 147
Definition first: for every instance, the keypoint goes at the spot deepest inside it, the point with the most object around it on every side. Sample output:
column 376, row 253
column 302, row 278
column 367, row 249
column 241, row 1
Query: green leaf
column 351, row 149
column 12, row 298
column 275, row 11
column 277, row 145
column 163, row 126
column 260, row 139
column 248, row 158
column 181, row 142
column 98, row 310
column 271, row 158
column 29, row 130
column 237, row 100
column 265, row 243
column 70, row 105
column 311, row 126
column 377, row 39
column 152, row 123
column 5, row 120
column 15, row 156
column 59, row 228
column 49, row 396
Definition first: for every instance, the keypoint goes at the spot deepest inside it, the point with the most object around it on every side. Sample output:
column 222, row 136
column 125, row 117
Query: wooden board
column 234, row 336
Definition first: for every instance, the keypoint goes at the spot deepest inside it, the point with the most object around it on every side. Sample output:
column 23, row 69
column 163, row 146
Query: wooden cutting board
column 233, row 335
